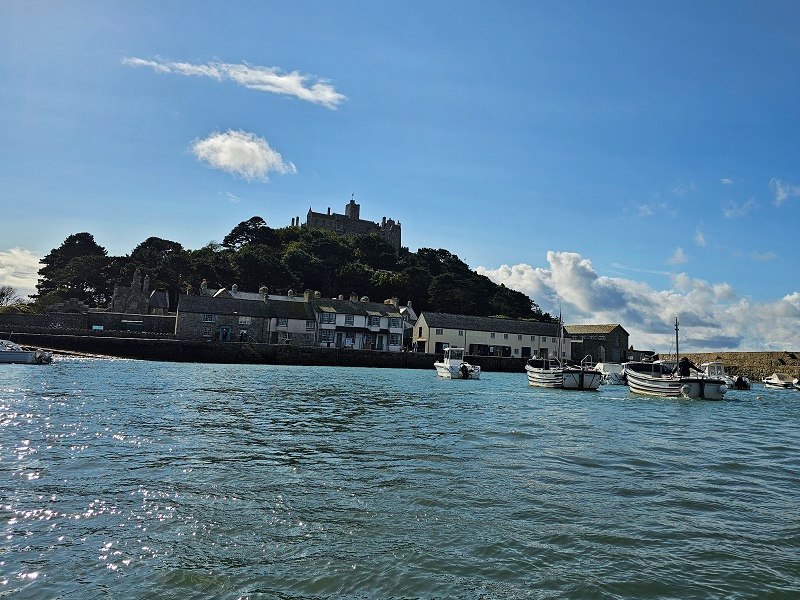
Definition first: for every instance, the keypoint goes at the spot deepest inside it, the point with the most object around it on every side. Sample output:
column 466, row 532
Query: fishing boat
column 657, row 379
column 14, row 353
column 553, row 373
column 544, row 372
column 716, row 368
column 453, row 366
column 778, row 381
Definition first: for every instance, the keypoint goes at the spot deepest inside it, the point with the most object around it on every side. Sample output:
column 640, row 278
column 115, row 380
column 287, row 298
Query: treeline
column 289, row 258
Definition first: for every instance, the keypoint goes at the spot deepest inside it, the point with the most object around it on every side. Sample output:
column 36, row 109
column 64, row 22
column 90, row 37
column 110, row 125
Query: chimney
column 395, row 301
column 307, row 296
column 329, row 210
column 353, row 297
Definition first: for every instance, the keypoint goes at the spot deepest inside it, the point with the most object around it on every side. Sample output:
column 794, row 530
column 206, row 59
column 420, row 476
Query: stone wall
column 755, row 365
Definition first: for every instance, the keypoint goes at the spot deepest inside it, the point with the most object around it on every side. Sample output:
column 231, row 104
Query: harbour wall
column 245, row 353
column 755, row 365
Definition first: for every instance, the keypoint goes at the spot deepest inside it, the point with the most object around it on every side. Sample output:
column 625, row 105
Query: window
column 395, row 339
column 461, row 332
column 209, row 318
column 284, row 336
column 395, row 322
column 329, row 318
column 491, row 335
column 438, row 332
column 283, row 322
column 420, row 332
column 207, row 332
column 505, row 336
column 533, row 338
column 245, row 320
column 326, row 335
column 310, row 324
column 519, row 337
column 374, row 321
column 348, row 319
column 554, row 340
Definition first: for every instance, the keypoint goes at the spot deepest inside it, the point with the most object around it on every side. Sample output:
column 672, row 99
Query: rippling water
column 128, row 479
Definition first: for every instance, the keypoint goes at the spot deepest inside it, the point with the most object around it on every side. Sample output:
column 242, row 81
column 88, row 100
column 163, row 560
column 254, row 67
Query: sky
column 620, row 162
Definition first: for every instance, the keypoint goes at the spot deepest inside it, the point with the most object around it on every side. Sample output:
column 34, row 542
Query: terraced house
column 308, row 320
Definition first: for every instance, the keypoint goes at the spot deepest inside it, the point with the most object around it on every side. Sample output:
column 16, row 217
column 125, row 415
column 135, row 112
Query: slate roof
column 348, row 307
column 469, row 322
column 224, row 306
column 587, row 329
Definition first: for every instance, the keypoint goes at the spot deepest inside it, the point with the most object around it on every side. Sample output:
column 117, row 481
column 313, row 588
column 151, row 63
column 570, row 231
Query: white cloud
column 19, row 268
column 678, row 257
column 682, row 189
column 763, row 256
column 712, row 316
column 783, row 191
column 263, row 79
column 726, row 181
column 241, row 153
column 699, row 238
column 734, row 210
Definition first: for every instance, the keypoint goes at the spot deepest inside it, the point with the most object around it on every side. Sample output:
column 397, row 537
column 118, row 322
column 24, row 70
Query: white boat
column 544, row 372
column 455, row 367
column 796, row 383
column 716, row 369
column 610, row 373
column 550, row 373
column 656, row 379
column 778, row 381
column 14, row 353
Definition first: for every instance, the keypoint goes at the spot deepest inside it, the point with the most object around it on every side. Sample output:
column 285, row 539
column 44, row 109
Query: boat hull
column 581, row 379
column 700, row 388
column 548, row 378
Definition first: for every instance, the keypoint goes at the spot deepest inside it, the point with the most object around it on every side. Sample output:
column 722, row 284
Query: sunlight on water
column 194, row 481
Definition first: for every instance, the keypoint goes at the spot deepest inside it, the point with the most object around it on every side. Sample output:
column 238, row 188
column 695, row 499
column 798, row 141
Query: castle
column 350, row 223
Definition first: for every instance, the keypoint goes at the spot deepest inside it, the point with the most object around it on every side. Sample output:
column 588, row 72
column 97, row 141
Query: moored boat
column 778, row 381
column 610, row 373
column 544, row 372
column 453, row 366
column 14, row 353
column 658, row 379
column 716, row 369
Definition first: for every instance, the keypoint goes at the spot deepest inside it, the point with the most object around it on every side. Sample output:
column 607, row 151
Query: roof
column 350, row 307
column 473, row 323
column 223, row 306
column 587, row 329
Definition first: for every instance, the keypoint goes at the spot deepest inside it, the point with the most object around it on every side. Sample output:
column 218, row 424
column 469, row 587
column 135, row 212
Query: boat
column 553, row 373
column 716, row 368
column 778, row 381
column 581, row 377
column 610, row 373
column 657, row 379
column 14, row 353
column 544, row 372
column 453, row 366
column 796, row 383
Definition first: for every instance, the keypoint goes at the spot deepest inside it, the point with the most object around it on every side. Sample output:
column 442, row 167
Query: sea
column 134, row 479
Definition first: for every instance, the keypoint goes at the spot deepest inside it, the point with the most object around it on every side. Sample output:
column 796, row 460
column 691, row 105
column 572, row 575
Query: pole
column 677, row 353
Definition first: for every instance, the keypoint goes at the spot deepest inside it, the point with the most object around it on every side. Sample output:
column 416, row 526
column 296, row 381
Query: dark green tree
column 252, row 231
column 78, row 269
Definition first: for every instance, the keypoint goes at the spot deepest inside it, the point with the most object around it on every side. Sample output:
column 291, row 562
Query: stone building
column 137, row 299
column 604, row 343
column 351, row 223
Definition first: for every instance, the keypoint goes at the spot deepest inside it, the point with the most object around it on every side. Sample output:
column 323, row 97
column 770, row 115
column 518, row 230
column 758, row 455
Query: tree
column 164, row 261
column 8, row 296
column 252, row 231
column 76, row 269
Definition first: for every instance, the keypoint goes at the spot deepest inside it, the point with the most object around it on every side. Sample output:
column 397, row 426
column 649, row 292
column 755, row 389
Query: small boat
column 14, row 353
column 610, row 373
column 455, row 367
column 796, row 383
column 658, row 379
column 715, row 368
column 544, row 372
column 778, row 381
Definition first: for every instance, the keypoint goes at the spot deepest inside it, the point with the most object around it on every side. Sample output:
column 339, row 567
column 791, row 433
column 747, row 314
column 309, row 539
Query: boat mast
column 677, row 353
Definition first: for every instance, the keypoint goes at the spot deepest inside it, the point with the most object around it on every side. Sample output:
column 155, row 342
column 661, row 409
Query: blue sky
column 623, row 162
